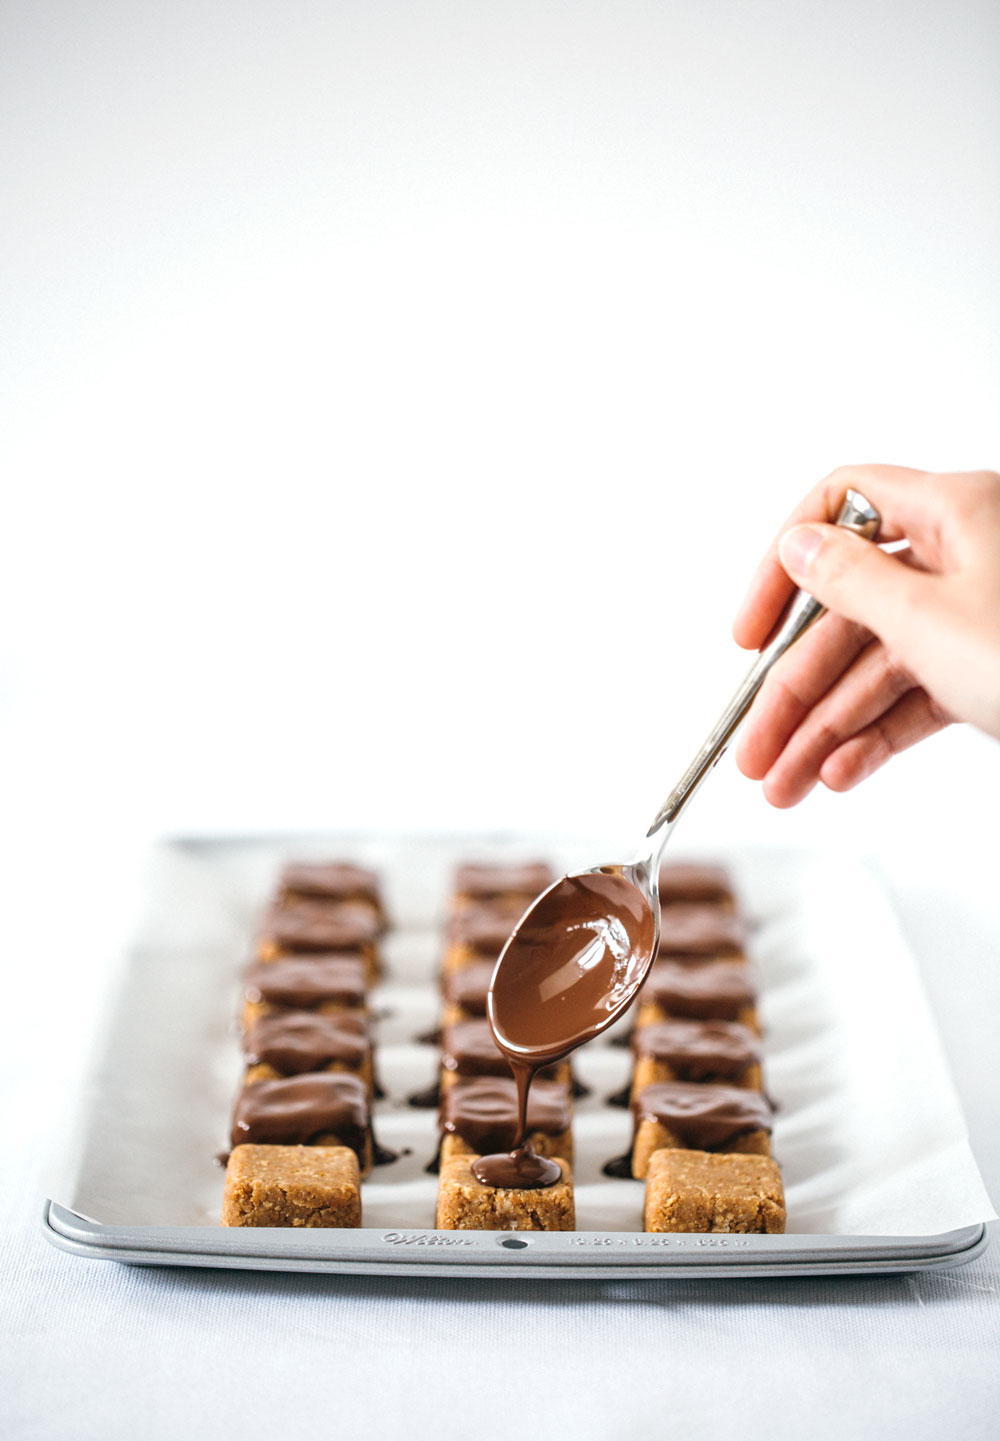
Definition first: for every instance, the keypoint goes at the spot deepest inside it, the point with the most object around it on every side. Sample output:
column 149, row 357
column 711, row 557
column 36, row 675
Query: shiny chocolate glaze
column 297, row 1041
column 297, row 1109
column 303, row 981
column 568, row 971
column 703, row 1116
column 699, row 1050
column 711, row 990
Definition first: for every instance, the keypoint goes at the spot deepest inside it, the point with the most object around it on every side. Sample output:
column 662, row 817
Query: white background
column 396, row 398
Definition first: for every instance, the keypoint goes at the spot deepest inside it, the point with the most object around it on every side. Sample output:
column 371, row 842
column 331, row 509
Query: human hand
column 911, row 640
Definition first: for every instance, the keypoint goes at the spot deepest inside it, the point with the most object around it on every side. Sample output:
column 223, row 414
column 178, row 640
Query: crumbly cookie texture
column 465, row 1204
column 292, row 1186
column 707, row 1191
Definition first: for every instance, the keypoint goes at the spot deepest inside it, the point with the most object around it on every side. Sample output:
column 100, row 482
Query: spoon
column 581, row 951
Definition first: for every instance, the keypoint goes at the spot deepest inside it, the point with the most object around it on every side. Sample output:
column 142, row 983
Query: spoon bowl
column 574, row 962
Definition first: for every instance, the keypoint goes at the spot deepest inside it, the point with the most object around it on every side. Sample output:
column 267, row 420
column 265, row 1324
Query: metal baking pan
column 879, row 1177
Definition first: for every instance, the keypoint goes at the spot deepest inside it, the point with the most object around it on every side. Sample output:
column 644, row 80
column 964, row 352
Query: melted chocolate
column 703, row 1116
column 300, row 981
column 522, row 1169
column 320, row 926
column 297, row 1109
column 297, row 1041
column 700, row 930
column 699, row 1050
column 711, row 990
column 569, row 970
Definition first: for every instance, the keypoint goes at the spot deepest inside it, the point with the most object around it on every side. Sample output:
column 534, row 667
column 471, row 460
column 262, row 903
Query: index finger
column 889, row 488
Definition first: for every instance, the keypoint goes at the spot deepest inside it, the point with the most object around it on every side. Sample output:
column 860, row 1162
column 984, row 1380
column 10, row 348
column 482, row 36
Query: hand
column 911, row 641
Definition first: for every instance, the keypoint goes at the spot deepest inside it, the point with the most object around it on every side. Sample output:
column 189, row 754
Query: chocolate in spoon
column 579, row 954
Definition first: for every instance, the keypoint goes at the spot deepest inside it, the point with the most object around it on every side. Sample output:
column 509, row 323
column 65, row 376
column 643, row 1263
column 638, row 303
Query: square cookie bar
column 292, row 1186
column 465, row 1204
column 704, row 1191
column 682, row 1115
column 324, row 1108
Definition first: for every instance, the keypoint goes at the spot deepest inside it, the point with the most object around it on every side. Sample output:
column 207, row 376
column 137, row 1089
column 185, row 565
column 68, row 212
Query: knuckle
column 896, row 678
column 973, row 495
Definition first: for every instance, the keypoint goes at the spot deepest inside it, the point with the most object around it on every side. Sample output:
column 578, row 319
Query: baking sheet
column 869, row 1134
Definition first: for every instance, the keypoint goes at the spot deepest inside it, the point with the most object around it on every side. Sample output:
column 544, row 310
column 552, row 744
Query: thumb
column 852, row 577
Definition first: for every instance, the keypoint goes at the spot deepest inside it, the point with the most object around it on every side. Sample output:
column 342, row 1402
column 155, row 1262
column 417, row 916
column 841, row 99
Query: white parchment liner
column 870, row 1136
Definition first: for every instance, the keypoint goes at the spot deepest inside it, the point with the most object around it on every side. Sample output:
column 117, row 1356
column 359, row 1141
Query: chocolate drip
column 712, row 990
column 521, row 1169
column 699, row 1050
column 621, row 1098
column 619, row 1168
column 703, row 1116
column 426, row 1100
column 571, row 966
column 484, row 1112
column 300, row 981
column 297, row 1041
column 297, row 1109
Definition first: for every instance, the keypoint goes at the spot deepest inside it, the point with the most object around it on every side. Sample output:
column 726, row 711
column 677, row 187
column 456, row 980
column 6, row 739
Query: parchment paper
column 870, row 1136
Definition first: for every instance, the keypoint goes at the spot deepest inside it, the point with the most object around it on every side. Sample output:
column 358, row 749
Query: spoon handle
column 855, row 514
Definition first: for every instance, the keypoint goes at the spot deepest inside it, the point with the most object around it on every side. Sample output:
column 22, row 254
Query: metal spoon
column 581, row 951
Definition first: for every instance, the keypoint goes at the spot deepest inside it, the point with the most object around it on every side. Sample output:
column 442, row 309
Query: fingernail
column 798, row 549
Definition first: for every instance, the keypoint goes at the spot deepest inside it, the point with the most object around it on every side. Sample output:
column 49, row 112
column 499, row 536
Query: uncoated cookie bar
column 292, row 1186
column 704, row 1191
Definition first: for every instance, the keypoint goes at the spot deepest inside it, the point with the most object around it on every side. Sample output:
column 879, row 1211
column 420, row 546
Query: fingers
column 911, row 719
column 874, row 710
column 869, row 688
column 801, row 678
column 860, row 582
column 897, row 493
